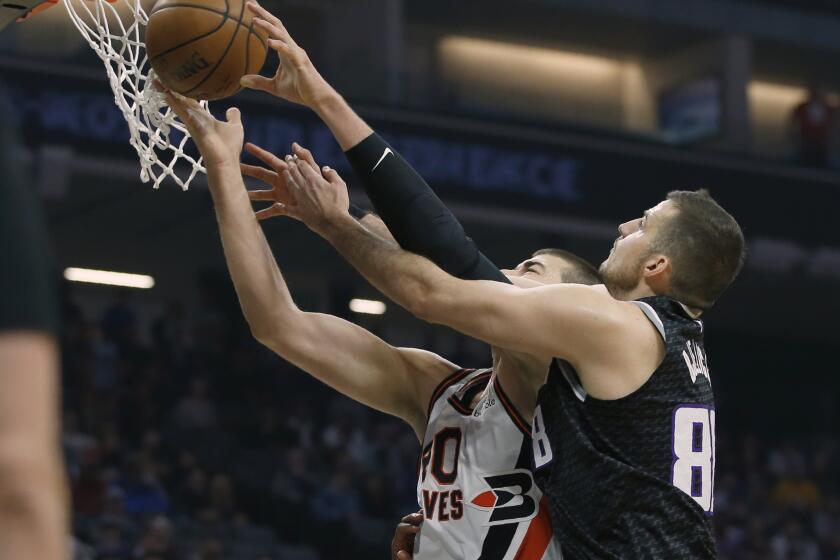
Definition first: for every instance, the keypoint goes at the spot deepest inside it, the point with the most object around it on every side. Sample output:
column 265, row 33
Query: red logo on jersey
column 485, row 499
column 510, row 498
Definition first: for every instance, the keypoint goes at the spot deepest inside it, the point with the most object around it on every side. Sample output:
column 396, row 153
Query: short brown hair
column 705, row 245
column 580, row 270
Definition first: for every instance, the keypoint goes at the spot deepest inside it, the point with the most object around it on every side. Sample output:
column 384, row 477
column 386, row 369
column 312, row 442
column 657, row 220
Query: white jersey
column 475, row 487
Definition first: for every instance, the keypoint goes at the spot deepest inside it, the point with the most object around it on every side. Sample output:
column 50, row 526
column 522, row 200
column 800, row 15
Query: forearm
column 375, row 224
column 418, row 219
column 348, row 128
column 260, row 286
column 495, row 313
column 406, row 278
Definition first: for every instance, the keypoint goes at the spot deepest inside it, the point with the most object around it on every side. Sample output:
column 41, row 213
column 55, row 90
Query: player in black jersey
column 624, row 438
column 624, row 434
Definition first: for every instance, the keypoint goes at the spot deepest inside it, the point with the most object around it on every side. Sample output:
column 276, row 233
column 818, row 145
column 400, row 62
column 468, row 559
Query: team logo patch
column 511, row 497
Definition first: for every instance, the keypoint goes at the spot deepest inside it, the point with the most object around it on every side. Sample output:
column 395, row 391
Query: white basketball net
column 117, row 39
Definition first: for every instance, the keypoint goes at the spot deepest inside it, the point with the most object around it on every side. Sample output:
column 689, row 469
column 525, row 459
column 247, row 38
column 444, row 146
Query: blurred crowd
column 201, row 445
column 779, row 500
column 191, row 442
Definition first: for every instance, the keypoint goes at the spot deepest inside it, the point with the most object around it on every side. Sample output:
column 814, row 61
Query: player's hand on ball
column 296, row 79
column 220, row 142
column 319, row 199
column 402, row 546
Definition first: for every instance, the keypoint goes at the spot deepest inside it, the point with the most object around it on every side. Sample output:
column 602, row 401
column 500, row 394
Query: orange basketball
column 201, row 48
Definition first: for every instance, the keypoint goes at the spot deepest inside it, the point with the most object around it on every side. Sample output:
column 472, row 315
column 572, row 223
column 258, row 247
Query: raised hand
column 279, row 193
column 319, row 199
column 220, row 142
column 296, row 79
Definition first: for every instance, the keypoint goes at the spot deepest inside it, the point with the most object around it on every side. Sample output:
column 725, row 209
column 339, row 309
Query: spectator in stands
column 77, row 444
column 170, row 332
column 142, row 490
column 119, row 324
column 114, row 515
column 196, row 411
column 211, row 549
column 222, row 498
column 812, row 122
column 192, row 495
column 337, row 502
column 157, row 543
column 111, row 544
column 88, row 489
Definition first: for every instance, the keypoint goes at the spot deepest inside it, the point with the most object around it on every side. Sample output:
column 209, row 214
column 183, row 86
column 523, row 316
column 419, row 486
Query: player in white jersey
column 475, row 488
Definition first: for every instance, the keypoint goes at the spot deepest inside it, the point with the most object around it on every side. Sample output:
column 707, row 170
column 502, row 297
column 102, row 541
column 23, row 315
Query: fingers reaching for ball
column 295, row 79
column 272, row 23
column 219, row 142
column 188, row 110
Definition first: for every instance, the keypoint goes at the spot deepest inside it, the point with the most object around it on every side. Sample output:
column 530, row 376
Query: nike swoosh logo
column 384, row 155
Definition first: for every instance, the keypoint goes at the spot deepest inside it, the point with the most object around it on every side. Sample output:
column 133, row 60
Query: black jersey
column 633, row 477
column 27, row 291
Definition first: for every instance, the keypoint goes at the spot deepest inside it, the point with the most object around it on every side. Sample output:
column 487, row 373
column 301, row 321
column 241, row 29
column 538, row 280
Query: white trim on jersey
column 571, row 377
column 653, row 317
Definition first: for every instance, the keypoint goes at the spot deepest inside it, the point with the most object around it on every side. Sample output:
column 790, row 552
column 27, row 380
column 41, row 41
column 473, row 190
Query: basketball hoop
column 157, row 135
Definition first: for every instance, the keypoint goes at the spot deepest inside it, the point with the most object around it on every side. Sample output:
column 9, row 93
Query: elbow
column 281, row 335
column 267, row 327
column 269, row 337
column 262, row 335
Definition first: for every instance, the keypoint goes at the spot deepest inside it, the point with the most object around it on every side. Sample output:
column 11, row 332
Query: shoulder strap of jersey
column 514, row 414
column 652, row 316
column 447, row 382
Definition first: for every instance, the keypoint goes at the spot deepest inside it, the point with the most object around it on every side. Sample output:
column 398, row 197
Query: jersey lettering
column 442, row 454
column 443, row 506
column 695, row 361
column 694, row 453
column 425, row 459
column 446, row 439
column 539, row 439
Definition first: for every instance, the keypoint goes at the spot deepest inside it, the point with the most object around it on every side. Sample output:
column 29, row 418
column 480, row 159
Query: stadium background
column 543, row 123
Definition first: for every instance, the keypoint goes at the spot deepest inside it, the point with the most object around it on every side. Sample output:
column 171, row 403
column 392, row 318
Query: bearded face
column 623, row 269
column 621, row 272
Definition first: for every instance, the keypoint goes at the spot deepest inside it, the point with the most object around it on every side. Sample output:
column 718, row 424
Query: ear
column 656, row 267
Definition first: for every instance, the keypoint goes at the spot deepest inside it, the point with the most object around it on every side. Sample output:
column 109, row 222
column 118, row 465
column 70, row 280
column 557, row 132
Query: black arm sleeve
column 417, row 218
column 28, row 299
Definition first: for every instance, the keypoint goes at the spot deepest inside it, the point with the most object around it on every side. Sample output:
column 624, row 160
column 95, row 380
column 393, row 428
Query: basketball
column 201, row 48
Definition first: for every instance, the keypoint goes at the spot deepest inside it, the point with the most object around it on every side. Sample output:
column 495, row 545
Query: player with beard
column 624, row 436
column 624, row 431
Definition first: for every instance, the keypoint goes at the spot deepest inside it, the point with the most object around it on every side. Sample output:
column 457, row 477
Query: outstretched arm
column 354, row 362
column 417, row 218
column 527, row 321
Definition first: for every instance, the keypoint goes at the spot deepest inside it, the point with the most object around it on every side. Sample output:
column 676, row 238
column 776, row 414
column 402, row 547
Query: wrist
column 337, row 227
column 223, row 167
column 327, row 103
